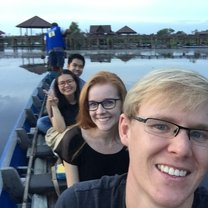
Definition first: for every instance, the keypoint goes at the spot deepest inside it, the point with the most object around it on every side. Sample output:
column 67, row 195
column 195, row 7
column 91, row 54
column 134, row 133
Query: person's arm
column 57, row 119
column 72, row 174
column 50, row 93
column 48, row 107
column 54, row 113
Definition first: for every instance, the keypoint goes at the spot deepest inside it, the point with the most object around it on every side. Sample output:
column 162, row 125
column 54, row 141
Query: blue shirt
column 54, row 39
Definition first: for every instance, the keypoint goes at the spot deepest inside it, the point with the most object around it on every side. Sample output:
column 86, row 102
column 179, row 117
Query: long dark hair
column 62, row 100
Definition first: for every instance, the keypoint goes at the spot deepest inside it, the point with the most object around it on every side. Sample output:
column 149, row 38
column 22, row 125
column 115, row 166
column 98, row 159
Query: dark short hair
column 76, row 56
column 54, row 24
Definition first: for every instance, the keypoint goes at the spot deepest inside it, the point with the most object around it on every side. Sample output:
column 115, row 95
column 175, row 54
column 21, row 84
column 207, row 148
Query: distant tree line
column 76, row 39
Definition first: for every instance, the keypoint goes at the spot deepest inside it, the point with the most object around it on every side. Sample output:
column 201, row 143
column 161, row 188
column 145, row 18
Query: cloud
column 91, row 12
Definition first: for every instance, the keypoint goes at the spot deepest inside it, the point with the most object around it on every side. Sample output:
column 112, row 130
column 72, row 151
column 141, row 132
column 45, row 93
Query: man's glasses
column 107, row 104
column 63, row 83
column 167, row 129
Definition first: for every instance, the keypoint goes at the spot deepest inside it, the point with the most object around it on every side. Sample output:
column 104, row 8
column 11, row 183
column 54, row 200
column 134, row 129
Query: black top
column 109, row 192
column 70, row 113
column 91, row 164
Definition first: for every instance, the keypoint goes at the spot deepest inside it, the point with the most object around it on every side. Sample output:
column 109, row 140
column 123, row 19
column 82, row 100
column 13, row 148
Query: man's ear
column 124, row 124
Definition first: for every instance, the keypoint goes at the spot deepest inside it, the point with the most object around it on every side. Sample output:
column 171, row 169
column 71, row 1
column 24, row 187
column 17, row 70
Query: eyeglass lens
column 69, row 81
column 106, row 104
column 168, row 130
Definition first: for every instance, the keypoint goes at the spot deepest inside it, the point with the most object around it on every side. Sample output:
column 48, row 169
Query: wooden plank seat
column 12, row 183
column 42, row 150
column 40, row 184
column 43, row 184
column 31, row 118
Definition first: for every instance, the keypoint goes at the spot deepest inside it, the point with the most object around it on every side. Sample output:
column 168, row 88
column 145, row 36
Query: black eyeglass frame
column 177, row 130
column 68, row 82
column 102, row 104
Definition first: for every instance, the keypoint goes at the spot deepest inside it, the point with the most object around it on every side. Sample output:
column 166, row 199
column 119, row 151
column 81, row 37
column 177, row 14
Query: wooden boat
column 26, row 179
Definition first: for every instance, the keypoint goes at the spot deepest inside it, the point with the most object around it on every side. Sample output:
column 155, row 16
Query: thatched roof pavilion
column 34, row 23
column 100, row 29
column 126, row 30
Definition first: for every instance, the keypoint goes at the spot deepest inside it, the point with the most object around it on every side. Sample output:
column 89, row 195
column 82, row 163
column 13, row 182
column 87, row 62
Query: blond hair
column 167, row 87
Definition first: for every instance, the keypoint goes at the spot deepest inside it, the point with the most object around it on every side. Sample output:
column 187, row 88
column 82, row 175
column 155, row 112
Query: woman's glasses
column 107, row 104
column 63, row 83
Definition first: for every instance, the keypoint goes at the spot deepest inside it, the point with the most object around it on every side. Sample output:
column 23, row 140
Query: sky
column 143, row 16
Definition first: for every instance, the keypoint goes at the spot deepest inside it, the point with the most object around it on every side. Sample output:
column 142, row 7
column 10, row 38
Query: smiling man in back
column 76, row 63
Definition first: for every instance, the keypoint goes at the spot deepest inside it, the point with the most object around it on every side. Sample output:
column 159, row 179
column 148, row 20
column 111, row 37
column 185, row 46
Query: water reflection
column 127, row 55
column 34, row 62
column 102, row 57
column 35, row 68
column 16, row 86
column 35, row 57
column 9, row 113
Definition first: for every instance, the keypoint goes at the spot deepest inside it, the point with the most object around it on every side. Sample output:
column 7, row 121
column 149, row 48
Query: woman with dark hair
column 62, row 105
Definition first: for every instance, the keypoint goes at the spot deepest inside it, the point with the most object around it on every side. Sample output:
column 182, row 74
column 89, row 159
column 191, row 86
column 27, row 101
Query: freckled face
column 103, row 118
column 156, row 163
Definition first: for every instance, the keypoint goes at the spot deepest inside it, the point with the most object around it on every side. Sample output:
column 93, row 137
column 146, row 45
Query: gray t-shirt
column 109, row 192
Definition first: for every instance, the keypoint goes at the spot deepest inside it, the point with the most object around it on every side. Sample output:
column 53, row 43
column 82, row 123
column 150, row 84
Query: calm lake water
column 17, row 83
